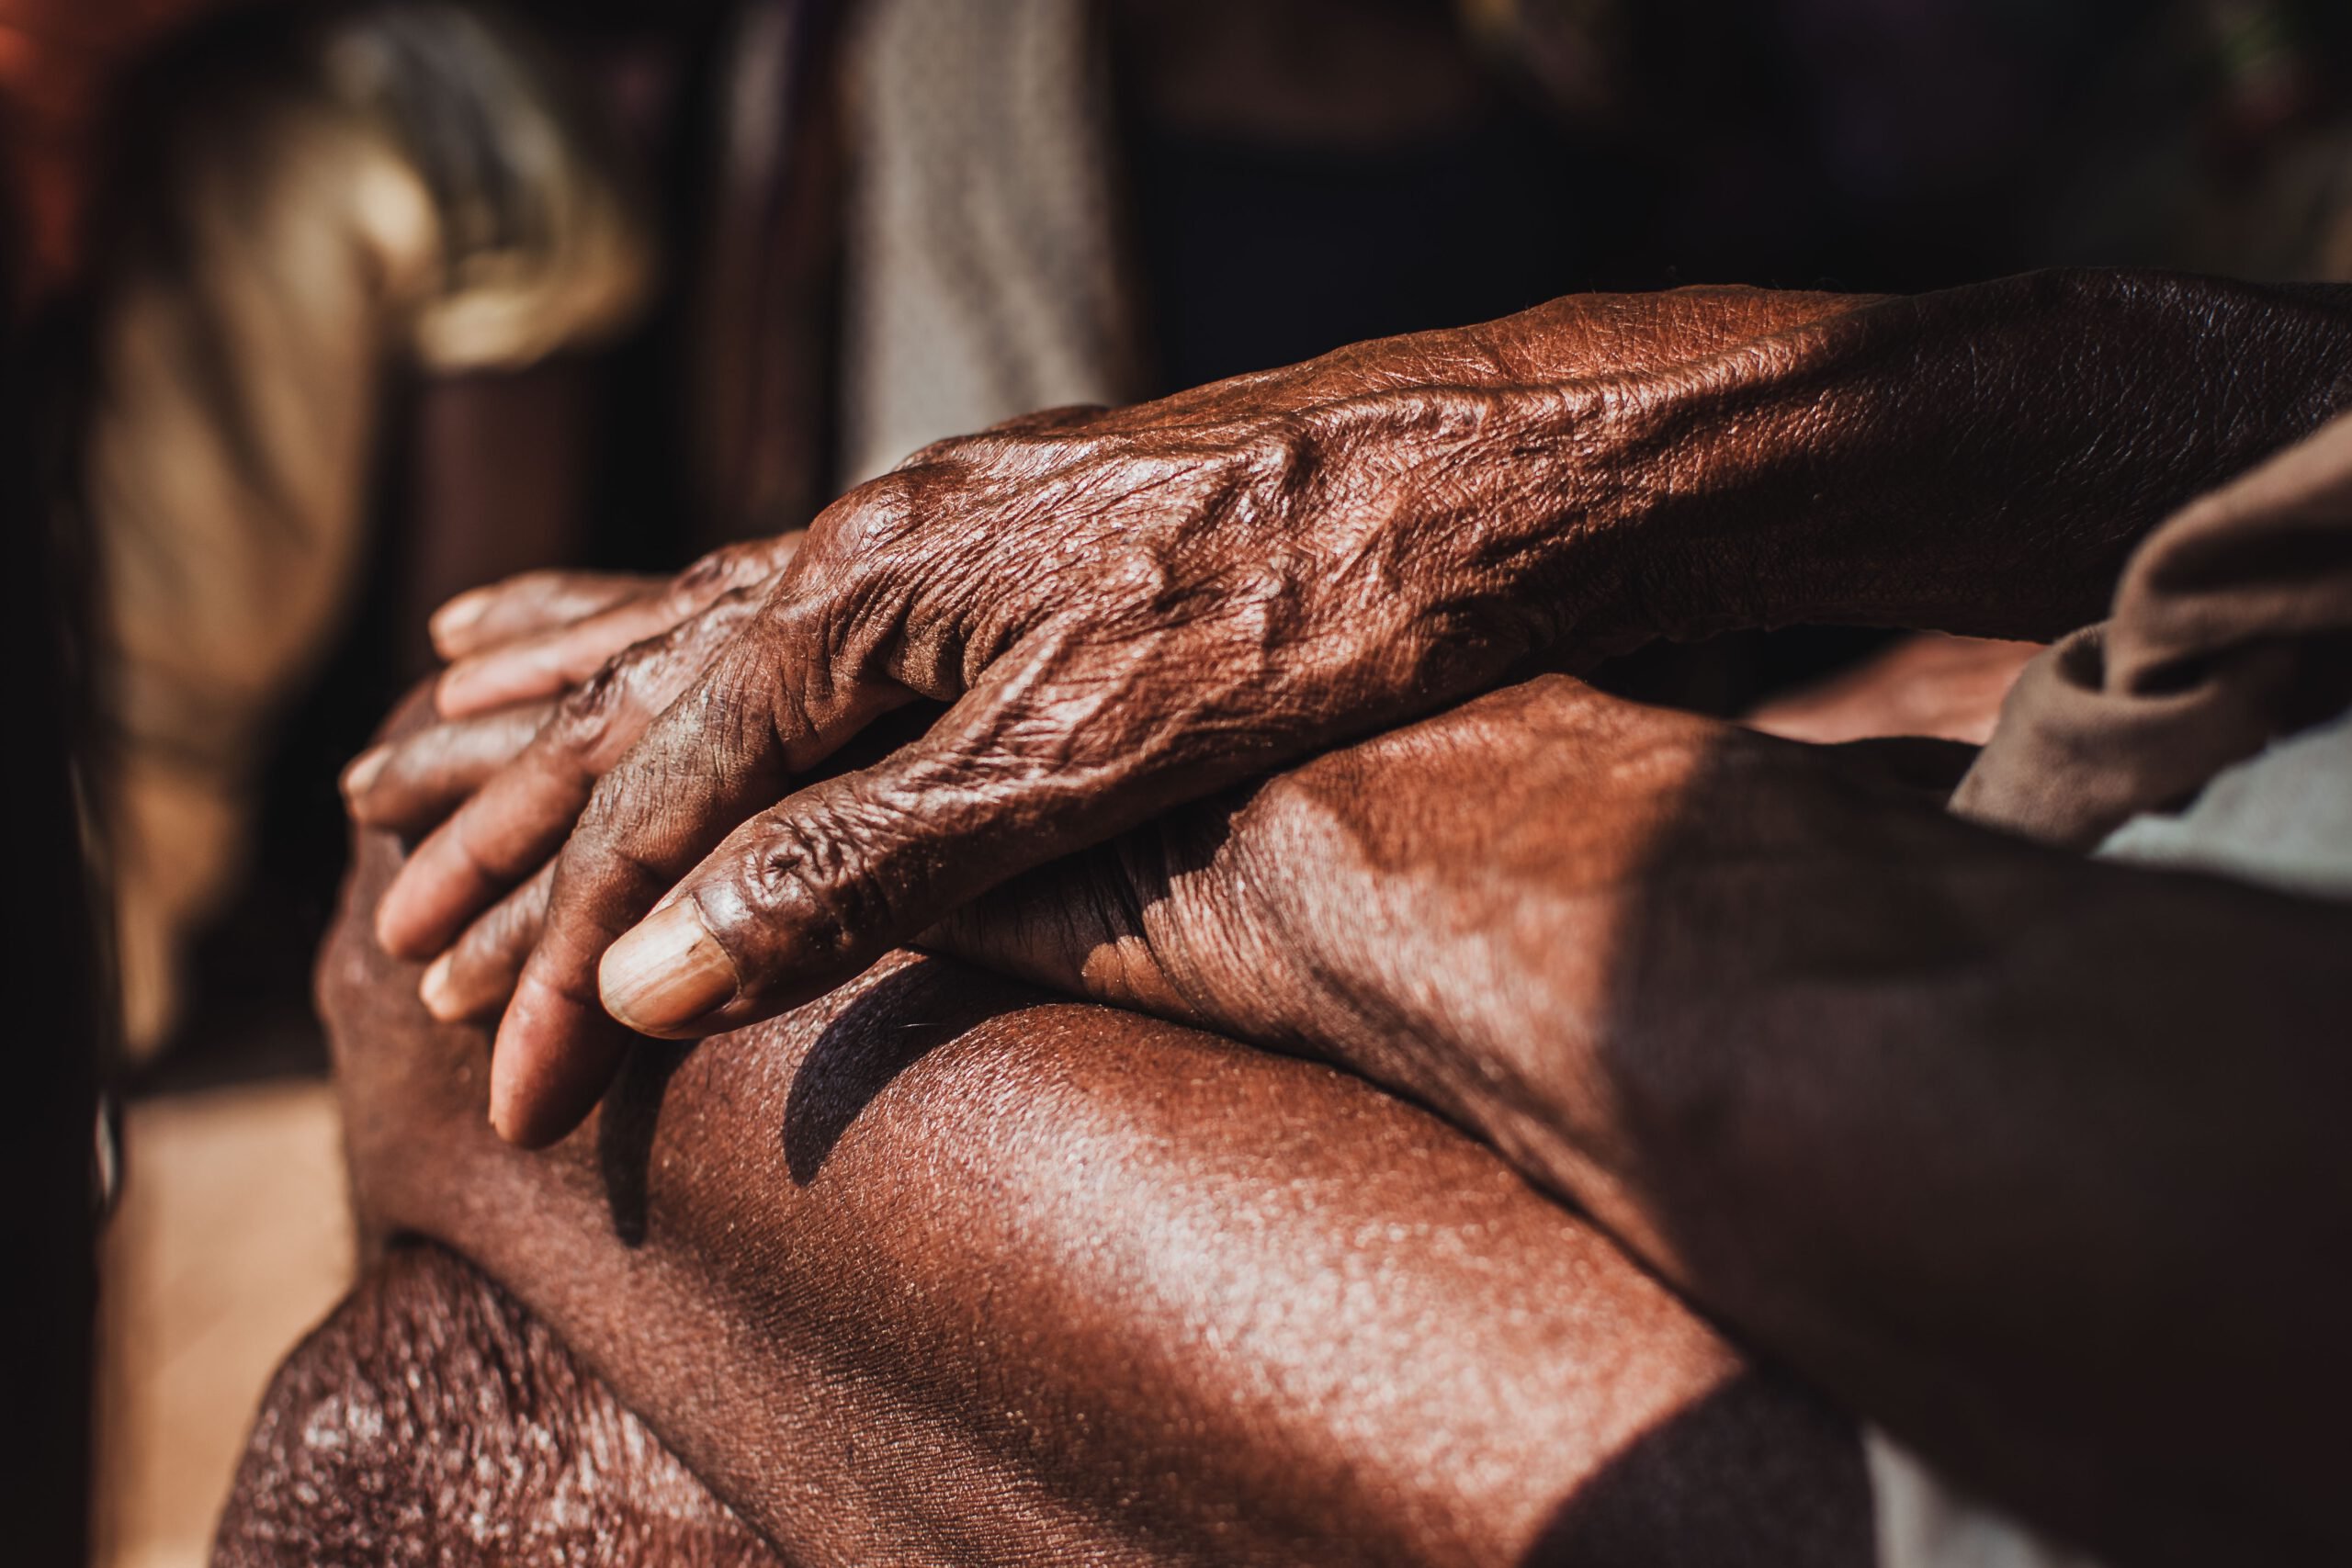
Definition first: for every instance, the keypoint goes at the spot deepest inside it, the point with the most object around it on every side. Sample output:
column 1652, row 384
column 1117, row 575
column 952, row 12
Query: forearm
column 2020, row 1156
column 1887, row 461
column 929, row 1271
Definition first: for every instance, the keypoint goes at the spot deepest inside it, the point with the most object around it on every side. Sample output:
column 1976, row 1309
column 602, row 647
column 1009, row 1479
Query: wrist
column 1980, row 460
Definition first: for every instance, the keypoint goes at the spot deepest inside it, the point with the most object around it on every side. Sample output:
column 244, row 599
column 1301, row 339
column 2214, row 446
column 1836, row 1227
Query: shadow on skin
column 1958, row 1019
column 435, row 1410
column 1752, row 1461
column 1222, row 1354
column 625, row 1133
column 881, row 1034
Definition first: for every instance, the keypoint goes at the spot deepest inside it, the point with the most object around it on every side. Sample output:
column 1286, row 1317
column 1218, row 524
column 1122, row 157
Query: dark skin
column 1955, row 1143
column 940, row 1268
column 1130, row 609
column 1942, row 1119
column 432, row 1420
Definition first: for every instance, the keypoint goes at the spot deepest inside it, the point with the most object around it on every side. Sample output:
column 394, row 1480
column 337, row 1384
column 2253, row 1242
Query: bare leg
column 939, row 1270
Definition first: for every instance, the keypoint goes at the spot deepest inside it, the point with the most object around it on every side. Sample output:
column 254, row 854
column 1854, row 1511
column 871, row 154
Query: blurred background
column 321, row 313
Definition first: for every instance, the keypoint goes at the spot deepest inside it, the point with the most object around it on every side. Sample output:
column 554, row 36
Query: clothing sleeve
column 403, row 185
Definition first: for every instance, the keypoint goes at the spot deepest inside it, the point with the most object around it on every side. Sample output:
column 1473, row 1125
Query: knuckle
column 723, row 571
column 957, row 451
column 605, row 821
column 647, row 663
column 821, row 870
column 585, row 716
column 706, row 574
column 875, row 517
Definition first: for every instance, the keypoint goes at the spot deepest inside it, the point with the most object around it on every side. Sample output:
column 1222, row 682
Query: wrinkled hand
column 1123, row 610
column 1309, row 912
column 539, row 635
column 1251, row 913
column 492, row 789
column 1126, row 610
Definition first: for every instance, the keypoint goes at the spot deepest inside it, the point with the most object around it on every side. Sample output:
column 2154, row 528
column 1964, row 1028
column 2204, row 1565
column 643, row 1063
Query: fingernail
column 667, row 972
column 435, row 989
column 460, row 613
column 364, row 769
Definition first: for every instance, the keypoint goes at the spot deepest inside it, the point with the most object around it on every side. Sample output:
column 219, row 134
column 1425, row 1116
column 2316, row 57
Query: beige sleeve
column 305, row 237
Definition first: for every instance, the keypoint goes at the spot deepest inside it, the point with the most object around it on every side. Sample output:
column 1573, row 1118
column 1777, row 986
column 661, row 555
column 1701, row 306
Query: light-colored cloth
column 2282, row 819
column 984, row 272
column 402, row 183
column 1924, row 1523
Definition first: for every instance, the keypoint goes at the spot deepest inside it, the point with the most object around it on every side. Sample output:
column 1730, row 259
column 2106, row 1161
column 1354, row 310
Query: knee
column 432, row 1419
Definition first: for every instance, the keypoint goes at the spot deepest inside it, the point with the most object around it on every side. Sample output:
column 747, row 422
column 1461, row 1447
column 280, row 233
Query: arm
column 1131, row 609
column 2039, row 1162
column 936, row 1270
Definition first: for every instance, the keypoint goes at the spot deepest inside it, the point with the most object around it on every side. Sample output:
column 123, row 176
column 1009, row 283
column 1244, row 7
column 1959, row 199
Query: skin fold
column 1123, row 610
column 941, row 1269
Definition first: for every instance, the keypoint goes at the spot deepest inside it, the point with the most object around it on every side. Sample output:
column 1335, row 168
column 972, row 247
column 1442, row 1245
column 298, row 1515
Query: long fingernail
column 363, row 770
column 459, row 614
column 666, row 972
column 439, row 1000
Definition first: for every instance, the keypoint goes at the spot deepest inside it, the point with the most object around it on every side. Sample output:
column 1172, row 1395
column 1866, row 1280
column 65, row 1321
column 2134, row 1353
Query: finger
column 499, row 836
column 559, row 657
column 809, row 893
column 535, row 602
column 770, row 708
column 476, row 976
column 519, row 816
column 411, row 783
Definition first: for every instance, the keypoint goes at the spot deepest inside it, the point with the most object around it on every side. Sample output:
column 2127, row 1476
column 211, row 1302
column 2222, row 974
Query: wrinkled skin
column 939, row 1270
column 1123, row 610
column 432, row 1421
column 2036, row 1161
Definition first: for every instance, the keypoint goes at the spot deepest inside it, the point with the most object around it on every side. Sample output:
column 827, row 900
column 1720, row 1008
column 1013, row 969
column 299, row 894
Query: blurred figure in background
column 319, row 204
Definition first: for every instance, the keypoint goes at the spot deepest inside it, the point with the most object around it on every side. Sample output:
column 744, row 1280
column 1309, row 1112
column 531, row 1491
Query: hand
column 1310, row 913
column 1130, row 609
column 495, row 791
column 1307, row 912
column 1843, row 1069
column 1124, row 611
column 516, row 646
column 541, row 634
